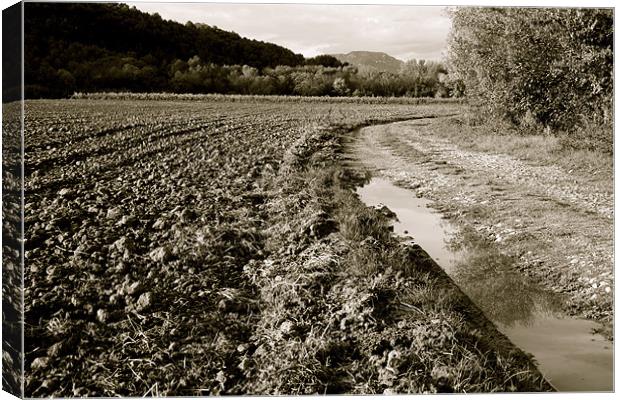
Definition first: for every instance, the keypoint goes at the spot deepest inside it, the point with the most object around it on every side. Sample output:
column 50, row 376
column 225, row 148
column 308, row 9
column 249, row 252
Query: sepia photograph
column 216, row 198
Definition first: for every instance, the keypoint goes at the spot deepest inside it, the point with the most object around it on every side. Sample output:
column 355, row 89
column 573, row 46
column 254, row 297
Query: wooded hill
column 106, row 46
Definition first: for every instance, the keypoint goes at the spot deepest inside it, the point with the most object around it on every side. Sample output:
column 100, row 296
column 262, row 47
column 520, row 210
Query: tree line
column 416, row 79
column 73, row 47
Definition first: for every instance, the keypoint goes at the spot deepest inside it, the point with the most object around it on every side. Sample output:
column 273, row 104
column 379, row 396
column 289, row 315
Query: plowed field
column 212, row 247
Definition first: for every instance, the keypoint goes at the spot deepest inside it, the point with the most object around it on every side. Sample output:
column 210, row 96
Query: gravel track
column 557, row 224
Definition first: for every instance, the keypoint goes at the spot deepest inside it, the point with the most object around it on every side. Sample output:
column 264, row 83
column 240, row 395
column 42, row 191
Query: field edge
column 387, row 314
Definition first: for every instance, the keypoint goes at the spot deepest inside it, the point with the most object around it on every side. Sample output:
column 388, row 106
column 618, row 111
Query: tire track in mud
column 559, row 226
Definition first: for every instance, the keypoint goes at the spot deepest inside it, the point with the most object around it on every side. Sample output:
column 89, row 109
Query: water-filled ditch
column 570, row 356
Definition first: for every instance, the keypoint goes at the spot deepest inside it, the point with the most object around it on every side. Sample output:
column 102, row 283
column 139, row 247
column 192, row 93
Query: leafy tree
column 421, row 77
column 340, row 87
column 66, row 80
column 543, row 66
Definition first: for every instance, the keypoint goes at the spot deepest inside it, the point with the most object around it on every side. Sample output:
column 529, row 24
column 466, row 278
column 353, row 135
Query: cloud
column 402, row 31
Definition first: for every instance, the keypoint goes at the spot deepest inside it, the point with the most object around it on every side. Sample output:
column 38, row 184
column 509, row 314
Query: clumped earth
column 11, row 249
column 555, row 224
column 195, row 248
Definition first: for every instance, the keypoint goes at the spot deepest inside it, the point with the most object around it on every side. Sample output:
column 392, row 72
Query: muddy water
column 570, row 356
column 409, row 208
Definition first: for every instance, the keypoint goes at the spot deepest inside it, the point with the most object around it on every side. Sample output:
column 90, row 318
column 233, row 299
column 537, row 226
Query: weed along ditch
column 566, row 349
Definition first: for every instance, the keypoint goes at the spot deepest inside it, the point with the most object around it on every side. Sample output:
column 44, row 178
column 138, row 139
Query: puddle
column 568, row 354
column 415, row 219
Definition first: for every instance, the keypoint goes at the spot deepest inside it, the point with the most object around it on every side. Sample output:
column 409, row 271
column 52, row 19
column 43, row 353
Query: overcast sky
column 404, row 32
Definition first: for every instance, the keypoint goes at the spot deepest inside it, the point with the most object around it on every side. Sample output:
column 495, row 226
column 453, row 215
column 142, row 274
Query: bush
column 547, row 66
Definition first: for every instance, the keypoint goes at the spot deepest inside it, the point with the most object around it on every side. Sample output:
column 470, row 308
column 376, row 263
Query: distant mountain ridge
column 371, row 61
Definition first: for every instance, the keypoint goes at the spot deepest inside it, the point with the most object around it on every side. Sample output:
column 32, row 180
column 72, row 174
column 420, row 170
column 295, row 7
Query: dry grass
column 593, row 158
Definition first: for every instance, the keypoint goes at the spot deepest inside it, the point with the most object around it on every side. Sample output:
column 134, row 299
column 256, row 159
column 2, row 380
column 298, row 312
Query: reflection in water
column 505, row 295
column 569, row 355
column 416, row 222
column 484, row 274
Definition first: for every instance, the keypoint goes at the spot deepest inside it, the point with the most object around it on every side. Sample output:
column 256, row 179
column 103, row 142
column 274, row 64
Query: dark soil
column 199, row 248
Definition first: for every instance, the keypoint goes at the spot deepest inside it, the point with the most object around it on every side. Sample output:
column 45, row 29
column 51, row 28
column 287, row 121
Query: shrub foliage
column 547, row 67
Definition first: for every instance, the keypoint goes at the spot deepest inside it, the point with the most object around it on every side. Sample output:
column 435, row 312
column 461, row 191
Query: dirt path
column 556, row 224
